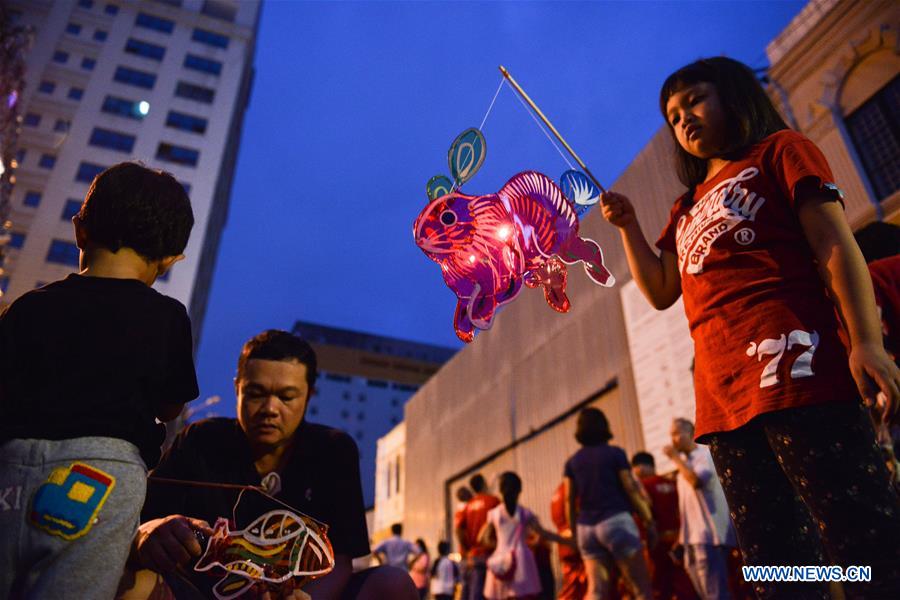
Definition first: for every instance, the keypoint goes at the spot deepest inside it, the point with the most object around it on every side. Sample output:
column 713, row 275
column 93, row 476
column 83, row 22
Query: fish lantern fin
column 580, row 190
column 466, row 155
column 437, row 186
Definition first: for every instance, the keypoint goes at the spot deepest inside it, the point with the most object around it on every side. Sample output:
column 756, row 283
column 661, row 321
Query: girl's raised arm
column 656, row 275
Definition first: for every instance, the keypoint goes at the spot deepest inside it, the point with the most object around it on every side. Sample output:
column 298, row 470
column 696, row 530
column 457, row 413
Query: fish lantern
column 489, row 246
column 277, row 547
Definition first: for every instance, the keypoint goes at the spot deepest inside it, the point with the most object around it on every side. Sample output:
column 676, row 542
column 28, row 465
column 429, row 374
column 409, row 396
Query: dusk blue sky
column 354, row 106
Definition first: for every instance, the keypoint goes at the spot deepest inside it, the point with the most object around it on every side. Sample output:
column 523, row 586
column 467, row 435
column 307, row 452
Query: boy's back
column 93, row 356
column 87, row 364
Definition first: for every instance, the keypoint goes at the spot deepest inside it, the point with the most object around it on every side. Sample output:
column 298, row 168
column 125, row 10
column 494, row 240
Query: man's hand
column 163, row 544
column 670, row 451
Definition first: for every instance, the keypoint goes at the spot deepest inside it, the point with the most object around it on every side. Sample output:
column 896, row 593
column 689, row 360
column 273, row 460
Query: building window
column 61, row 57
column 155, row 23
column 32, row 119
column 16, row 240
column 100, row 35
column 209, row 38
column 63, row 253
column 20, row 156
column 219, row 9
column 145, row 49
column 134, row 77
column 334, row 377
column 75, row 93
column 71, row 209
column 61, row 126
column 187, row 190
column 112, row 140
column 395, row 402
column 32, row 198
column 204, row 65
column 194, row 92
column 47, row 161
column 88, row 63
column 360, row 416
column 111, row 9
column 88, row 4
column 46, row 87
column 177, row 154
column 177, row 120
column 122, row 107
column 359, row 434
column 313, row 410
column 4, row 284
column 875, row 130
column 73, row 28
column 394, row 420
column 345, row 414
column 376, row 383
column 87, row 172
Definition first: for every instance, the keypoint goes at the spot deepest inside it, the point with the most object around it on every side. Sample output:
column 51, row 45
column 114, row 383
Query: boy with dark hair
column 87, row 365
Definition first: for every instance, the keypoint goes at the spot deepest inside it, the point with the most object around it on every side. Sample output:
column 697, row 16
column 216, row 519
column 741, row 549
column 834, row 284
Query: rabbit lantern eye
column 448, row 217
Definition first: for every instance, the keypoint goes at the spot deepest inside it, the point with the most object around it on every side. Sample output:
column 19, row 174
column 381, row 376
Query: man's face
column 272, row 397
column 681, row 438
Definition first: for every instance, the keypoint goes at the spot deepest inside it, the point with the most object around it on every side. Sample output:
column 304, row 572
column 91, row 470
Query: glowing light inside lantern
column 503, row 232
column 144, row 108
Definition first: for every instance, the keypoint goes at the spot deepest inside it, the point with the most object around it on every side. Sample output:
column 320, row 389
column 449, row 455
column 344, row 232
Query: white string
column 497, row 93
column 541, row 127
column 483, row 121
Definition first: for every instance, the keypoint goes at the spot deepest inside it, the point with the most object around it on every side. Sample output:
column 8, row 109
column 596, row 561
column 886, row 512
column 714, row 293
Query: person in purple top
column 600, row 494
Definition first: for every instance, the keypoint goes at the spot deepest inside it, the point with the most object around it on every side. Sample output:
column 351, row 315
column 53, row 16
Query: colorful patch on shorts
column 68, row 503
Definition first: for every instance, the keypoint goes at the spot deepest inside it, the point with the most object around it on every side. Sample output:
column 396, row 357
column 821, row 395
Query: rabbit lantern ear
column 437, row 186
column 466, row 155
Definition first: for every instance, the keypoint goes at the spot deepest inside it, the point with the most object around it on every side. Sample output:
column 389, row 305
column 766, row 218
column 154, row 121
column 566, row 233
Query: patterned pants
column 808, row 486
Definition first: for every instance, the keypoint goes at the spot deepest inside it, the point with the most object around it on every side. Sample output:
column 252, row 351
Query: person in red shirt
column 762, row 253
column 669, row 579
column 574, row 578
column 880, row 245
column 473, row 519
column 463, row 495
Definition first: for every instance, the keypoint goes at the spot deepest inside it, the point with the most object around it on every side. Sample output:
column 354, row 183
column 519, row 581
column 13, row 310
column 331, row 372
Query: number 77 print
column 802, row 365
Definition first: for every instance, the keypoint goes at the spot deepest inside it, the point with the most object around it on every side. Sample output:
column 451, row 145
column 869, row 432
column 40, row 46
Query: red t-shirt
column 766, row 334
column 886, row 281
column 474, row 518
column 664, row 501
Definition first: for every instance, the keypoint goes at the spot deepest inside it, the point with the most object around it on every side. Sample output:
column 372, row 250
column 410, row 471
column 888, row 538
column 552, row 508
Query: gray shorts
column 68, row 512
column 616, row 537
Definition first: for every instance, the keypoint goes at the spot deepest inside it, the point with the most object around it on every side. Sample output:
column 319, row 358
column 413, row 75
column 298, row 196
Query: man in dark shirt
column 310, row 467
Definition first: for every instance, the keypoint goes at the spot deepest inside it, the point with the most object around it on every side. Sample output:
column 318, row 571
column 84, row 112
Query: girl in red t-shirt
column 759, row 246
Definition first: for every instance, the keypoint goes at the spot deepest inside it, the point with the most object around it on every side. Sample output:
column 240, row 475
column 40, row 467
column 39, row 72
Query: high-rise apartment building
column 165, row 82
column 364, row 383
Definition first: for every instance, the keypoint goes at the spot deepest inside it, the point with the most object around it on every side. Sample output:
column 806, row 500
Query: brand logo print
column 720, row 210
column 744, row 236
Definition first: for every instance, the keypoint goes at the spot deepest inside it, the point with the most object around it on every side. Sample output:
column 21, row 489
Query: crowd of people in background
column 637, row 535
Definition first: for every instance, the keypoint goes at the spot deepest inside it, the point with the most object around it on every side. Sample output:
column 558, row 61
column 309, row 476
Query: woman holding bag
column 512, row 572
